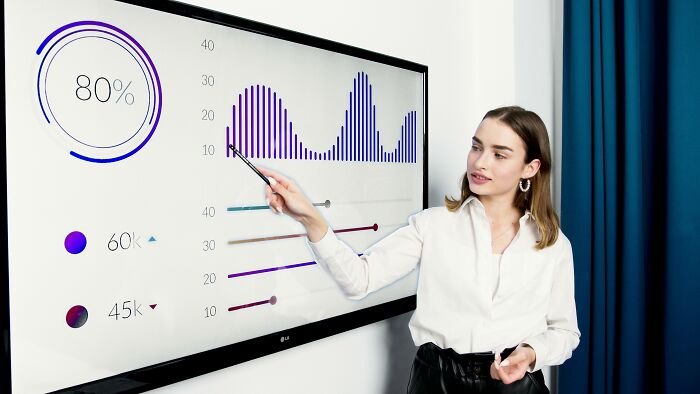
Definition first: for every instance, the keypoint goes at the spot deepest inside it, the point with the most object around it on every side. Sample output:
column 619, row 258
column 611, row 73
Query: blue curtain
column 631, row 193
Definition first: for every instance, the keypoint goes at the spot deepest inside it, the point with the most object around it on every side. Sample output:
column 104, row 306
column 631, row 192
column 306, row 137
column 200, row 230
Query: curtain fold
column 630, row 193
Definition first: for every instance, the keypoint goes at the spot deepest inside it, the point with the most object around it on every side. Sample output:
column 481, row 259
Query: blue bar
column 252, row 120
column 257, row 122
column 245, row 141
column 240, row 123
column 353, row 115
column 279, row 133
column 269, row 126
column 345, row 142
column 373, row 141
column 365, row 123
column 362, row 117
column 263, row 122
column 289, row 139
column 378, row 156
column 296, row 147
column 233, row 128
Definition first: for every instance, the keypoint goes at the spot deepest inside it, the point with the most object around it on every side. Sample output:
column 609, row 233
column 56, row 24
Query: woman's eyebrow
column 501, row 147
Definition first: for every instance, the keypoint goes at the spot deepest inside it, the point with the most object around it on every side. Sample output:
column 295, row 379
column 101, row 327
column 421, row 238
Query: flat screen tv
column 140, row 250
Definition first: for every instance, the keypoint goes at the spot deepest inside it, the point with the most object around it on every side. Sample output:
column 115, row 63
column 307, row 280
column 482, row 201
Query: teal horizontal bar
column 250, row 208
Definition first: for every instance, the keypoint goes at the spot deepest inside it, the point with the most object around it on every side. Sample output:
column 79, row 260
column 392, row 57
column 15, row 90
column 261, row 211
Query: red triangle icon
column 153, row 306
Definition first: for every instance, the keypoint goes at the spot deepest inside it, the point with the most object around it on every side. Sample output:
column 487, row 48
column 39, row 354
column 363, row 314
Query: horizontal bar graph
column 265, row 270
column 373, row 227
column 272, row 269
column 272, row 301
column 326, row 204
column 262, row 128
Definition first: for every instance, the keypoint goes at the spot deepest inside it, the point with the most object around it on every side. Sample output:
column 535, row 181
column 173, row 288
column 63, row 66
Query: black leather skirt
column 437, row 370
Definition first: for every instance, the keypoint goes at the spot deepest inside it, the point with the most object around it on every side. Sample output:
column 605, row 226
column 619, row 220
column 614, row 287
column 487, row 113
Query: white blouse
column 456, row 306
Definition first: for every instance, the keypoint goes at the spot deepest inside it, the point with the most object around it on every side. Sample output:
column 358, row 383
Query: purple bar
column 334, row 152
column 251, row 137
column 279, row 132
column 377, row 148
column 233, row 128
column 315, row 155
column 284, row 136
column 289, row 140
column 410, row 132
column 296, row 146
column 271, row 269
column 257, row 120
column 269, row 125
column 399, row 149
column 240, row 123
column 245, row 140
column 372, row 141
column 306, row 153
column 263, row 122
column 362, row 117
column 413, row 137
column 273, row 141
column 410, row 135
column 345, row 140
column 352, row 121
column 365, row 108
column 227, row 142
column 404, row 144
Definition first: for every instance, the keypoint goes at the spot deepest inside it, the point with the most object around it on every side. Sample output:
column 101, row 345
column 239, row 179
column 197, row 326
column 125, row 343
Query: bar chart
column 262, row 128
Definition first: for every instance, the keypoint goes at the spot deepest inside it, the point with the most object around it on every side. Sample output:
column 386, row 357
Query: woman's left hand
column 514, row 367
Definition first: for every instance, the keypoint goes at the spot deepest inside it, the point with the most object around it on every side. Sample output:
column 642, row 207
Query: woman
column 495, row 298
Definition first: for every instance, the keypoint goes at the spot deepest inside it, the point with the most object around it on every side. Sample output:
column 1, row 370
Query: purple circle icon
column 75, row 242
column 77, row 316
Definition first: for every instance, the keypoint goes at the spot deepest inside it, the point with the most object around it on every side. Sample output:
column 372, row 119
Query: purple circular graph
column 99, row 89
column 75, row 242
column 76, row 316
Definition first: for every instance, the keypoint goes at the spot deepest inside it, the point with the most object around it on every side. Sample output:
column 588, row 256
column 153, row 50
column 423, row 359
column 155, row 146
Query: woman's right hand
column 284, row 196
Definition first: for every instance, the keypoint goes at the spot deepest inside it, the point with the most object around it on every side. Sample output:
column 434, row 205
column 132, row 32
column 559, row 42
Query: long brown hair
column 530, row 128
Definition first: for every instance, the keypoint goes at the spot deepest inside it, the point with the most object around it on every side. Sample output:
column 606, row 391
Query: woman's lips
column 478, row 179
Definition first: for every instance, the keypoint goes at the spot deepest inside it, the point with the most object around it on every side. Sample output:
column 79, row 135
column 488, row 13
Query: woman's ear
column 531, row 169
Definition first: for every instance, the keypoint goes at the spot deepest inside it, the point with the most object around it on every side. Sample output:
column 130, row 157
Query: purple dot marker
column 77, row 316
column 75, row 242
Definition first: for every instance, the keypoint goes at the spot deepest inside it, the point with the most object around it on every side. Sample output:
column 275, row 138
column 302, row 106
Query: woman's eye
column 500, row 156
column 475, row 148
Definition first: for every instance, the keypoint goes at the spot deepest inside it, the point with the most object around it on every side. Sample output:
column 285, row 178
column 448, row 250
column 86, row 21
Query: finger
column 502, row 375
column 515, row 375
column 281, row 190
column 494, row 374
column 513, row 359
column 279, row 178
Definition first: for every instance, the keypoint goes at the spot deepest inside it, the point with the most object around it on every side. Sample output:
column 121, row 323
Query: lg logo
column 282, row 339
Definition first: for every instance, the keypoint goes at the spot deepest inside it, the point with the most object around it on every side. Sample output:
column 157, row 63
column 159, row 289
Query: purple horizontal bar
column 262, row 271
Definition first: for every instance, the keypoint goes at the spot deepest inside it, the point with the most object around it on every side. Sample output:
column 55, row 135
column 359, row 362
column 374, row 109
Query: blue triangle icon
column 152, row 239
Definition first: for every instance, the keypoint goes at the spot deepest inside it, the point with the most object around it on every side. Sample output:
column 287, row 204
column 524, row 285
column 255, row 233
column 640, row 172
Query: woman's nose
column 480, row 161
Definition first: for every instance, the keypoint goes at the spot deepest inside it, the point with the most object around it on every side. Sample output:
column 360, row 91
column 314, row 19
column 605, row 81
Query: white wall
column 480, row 54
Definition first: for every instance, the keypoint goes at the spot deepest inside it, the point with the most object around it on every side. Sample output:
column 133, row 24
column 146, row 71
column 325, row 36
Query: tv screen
column 140, row 249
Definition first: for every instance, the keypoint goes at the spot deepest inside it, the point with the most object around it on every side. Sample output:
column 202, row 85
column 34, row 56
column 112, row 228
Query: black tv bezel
column 177, row 370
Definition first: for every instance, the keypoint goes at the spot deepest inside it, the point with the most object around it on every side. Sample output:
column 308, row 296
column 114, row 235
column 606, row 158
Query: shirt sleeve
column 383, row 263
column 556, row 345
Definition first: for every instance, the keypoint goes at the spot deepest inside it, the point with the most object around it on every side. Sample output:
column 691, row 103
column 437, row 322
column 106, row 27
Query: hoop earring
column 526, row 188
